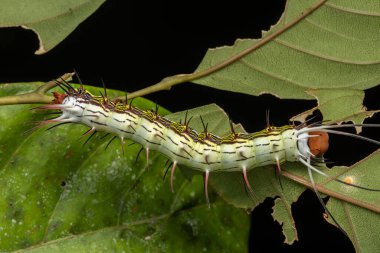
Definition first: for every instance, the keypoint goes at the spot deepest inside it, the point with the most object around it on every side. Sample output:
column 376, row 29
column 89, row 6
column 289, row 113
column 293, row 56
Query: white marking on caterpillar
column 203, row 151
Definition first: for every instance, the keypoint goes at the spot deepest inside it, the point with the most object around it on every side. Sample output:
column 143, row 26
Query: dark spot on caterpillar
column 187, row 152
column 191, row 147
column 63, row 183
column 242, row 155
column 149, row 131
column 158, row 130
column 245, row 146
column 132, row 126
column 184, row 143
column 179, row 155
column 125, row 131
column 266, row 161
column 172, row 141
column 206, row 159
column 98, row 123
column 210, row 163
column 228, row 152
column 245, row 158
column 276, row 151
column 198, row 152
column 130, row 114
column 121, row 121
column 82, row 107
column 159, row 136
column 151, row 142
column 98, row 112
column 157, row 123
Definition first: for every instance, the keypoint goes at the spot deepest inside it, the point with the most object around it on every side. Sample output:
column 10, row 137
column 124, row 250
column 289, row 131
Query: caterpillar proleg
column 202, row 151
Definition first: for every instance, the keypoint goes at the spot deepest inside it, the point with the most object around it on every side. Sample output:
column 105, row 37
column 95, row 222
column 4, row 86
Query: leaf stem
column 38, row 96
column 168, row 82
column 329, row 192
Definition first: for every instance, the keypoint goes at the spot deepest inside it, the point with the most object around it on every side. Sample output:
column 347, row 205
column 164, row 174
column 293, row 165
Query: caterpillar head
column 319, row 144
column 312, row 143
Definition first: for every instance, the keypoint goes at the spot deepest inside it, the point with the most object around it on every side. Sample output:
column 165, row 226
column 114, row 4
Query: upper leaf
column 328, row 54
column 53, row 21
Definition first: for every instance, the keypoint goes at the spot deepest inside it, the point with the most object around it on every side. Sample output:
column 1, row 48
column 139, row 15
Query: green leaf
column 331, row 55
column 59, row 195
column 230, row 186
column 360, row 224
column 265, row 184
column 52, row 21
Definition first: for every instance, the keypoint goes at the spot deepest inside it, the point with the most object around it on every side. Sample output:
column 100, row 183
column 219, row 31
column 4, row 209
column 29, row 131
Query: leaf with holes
column 59, row 194
column 264, row 183
column 52, row 21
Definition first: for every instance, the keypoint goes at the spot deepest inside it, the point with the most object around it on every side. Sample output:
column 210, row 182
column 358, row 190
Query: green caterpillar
column 205, row 151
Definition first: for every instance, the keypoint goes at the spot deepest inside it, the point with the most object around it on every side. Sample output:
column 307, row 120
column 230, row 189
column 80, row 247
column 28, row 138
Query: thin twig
column 330, row 193
column 168, row 82
column 38, row 96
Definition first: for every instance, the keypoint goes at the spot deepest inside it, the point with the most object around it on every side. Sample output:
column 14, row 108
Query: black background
column 131, row 45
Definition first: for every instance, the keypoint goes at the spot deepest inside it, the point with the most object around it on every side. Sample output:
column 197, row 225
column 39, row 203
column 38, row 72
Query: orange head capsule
column 318, row 142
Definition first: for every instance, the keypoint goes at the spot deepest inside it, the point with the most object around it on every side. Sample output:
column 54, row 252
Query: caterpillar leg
column 245, row 176
column 147, row 156
column 122, row 142
column 172, row 176
column 207, row 172
column 278, row 171
column 320, row 198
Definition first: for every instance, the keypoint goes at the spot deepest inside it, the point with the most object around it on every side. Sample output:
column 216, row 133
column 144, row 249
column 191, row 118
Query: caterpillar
column 202, row 151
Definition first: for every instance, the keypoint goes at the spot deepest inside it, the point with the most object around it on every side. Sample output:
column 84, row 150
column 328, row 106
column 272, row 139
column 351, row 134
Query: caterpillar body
column 204, row 151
